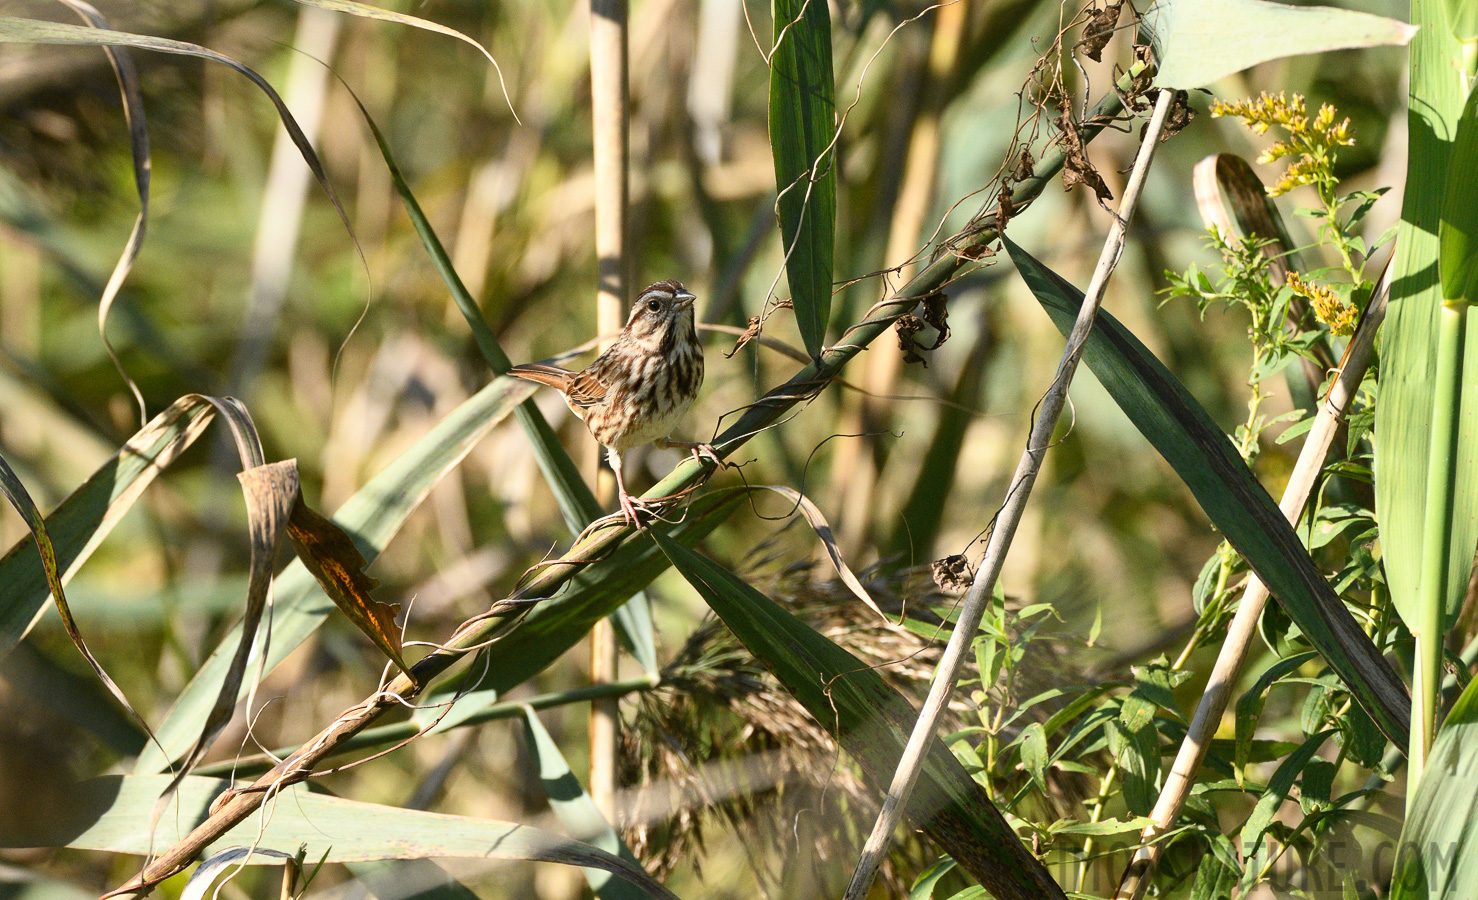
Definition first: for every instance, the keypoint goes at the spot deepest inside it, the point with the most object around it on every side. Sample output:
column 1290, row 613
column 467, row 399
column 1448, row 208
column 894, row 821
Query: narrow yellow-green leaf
column 576, row 811
column 365, row 11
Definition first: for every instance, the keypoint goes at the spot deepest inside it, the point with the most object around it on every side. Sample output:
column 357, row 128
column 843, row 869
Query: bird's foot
column 632, row 509
column 700, row 451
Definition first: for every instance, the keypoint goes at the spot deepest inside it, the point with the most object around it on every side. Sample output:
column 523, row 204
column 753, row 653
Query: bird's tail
column 552, row 376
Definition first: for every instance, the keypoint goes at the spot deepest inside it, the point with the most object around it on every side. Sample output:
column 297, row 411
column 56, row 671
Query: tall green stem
column 1436, row 536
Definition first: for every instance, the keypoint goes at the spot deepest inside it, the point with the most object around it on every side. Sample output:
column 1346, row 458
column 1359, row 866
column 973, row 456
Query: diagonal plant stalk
column 600, row 540
column 950, row 664
column 1243, row 628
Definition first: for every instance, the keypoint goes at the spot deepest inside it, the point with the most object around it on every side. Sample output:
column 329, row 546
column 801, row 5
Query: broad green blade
column 1408, row 352
column 85, row 518
column 1197, row 42
column 555, row 625
column 1439, row 842
column 802, row 139
column 1189, row 439
column 371, row 517
column 633, row 620
column 112, row 813
column 872, row 722
column 576, row 811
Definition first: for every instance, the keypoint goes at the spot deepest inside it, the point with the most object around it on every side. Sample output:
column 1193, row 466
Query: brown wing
column 585, row 389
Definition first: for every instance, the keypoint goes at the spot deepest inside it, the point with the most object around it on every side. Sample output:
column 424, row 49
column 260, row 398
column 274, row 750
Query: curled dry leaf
column 1076, row 169
column 936, row 316
column 339, row 567
column 750, row 333
column 907, row 326
column 270, row 491
column 1004, row 209
column 1178, row 118
column 936, row 313
column 1025, row 165
column 1099, row 30
column 818, row 523
column 952, row 574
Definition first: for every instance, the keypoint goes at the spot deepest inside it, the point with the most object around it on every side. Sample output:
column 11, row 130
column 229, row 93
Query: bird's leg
column 700, row 451
column 629, row 504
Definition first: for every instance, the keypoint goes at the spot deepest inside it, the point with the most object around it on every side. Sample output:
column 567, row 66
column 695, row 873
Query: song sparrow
column 638, row 389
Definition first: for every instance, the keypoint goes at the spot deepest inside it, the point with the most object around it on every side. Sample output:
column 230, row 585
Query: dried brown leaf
column 339, row 567
column 1099, row 30
column 818, row 523
column 1076, row 169
column 952, row 574
column 750, row 333
column 907, row 326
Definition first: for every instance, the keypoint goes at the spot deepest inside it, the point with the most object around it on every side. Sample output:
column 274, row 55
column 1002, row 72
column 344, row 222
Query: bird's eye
column 654, row 304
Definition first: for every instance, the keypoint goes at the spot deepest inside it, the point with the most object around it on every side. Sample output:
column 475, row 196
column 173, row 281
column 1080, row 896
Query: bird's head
column 661, row 310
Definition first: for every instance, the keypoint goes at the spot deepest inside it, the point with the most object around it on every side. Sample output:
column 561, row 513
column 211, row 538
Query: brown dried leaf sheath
column 339, row 567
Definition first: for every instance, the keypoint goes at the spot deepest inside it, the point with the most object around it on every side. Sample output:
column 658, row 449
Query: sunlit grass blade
column 1438, row 854
column 1426, row 487
column 1187, row 437
column 576, row 811
column 817, row 520
column 372, row 516
column 1450, row 504
column 1409, row 338
column 80, row 523
column 802, row 138
column 871, row 721
column 113, row 814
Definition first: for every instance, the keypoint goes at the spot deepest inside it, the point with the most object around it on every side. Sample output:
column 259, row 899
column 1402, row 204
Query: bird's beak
column 684, row 299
